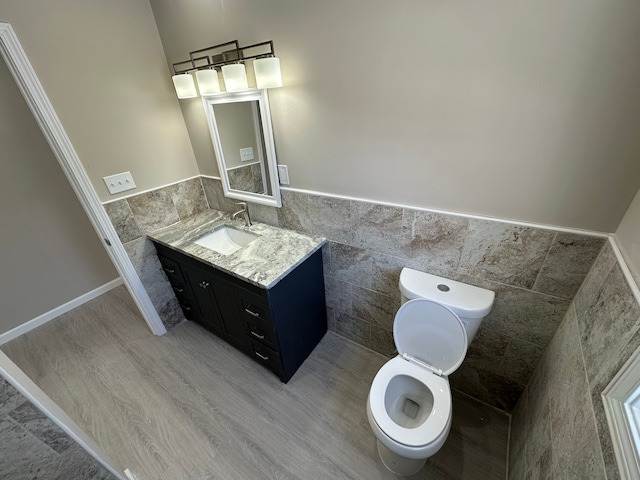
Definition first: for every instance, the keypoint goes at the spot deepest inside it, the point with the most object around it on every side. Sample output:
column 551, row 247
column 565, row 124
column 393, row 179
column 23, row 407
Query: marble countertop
column 264, row 262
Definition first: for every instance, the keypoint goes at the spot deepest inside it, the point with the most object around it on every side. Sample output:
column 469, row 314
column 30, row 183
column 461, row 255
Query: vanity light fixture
column 232, row 58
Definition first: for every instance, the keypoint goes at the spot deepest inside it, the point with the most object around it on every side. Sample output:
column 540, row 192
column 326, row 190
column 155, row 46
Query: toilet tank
column 470, row 303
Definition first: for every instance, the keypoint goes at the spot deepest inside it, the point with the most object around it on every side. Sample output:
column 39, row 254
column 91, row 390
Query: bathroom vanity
column 266, row 298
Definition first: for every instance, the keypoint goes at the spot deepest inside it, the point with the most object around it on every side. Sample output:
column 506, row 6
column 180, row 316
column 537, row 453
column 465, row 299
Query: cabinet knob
column 204, row 284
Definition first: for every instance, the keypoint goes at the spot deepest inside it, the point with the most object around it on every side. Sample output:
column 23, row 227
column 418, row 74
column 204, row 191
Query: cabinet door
column 202, row 287
column 217, row 302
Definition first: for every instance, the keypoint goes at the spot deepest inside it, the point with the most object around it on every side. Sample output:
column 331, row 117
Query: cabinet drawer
column 252, row 306
column 262, row 330
column 173, row 272
column 188, row 307
column 265, row 355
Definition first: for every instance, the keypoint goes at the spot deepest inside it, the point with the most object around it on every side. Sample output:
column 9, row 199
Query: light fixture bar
column 232, row 57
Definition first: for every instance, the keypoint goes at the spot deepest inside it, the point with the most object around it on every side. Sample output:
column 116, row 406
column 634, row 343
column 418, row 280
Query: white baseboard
column 56, row 312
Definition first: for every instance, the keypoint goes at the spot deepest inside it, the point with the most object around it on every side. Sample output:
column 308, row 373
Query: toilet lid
column 432, row 333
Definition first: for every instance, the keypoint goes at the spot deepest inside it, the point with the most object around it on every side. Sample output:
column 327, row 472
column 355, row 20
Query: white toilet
column 409, row 404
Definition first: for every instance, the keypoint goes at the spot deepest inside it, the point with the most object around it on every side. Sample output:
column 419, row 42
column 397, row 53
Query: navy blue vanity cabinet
column 278, row 327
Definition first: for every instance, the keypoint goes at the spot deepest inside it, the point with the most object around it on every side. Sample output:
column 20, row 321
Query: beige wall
column 629, row 235
column 103, row 68
column 523, row 110
column 49, row 252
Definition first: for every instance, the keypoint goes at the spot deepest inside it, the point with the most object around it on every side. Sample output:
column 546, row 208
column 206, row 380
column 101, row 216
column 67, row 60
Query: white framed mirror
column 242, row 136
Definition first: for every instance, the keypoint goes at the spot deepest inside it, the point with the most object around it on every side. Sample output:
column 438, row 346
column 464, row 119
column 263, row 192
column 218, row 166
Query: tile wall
column 534, row 272
column 559, row 428
column 247, row 178
column 33, row 446
column 135, row 216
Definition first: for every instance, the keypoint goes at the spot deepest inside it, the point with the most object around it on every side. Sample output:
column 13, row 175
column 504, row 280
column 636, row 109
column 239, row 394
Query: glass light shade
column 267, row 71
column 208, row 82
column 184, row 85
column 235, row 77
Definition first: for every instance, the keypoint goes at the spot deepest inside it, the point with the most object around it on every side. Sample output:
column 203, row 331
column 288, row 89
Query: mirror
column 242, row 136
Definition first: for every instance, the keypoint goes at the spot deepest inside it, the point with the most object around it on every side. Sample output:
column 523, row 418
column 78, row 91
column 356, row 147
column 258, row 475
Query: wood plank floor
column 189, row 406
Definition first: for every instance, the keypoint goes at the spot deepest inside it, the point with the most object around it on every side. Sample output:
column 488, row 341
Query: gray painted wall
column 525, row 110
column 49, row 251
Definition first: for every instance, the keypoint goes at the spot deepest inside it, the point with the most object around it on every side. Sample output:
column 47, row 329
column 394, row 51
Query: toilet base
column 397, row 464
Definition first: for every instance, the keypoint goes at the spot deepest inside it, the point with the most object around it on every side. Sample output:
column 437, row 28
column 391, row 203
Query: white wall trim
column 36, row 98
column 56, row 312
column 626, row 269
column 41, row 400
column 555, row 228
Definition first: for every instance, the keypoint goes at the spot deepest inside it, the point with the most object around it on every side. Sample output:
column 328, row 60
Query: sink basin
column 226, row 240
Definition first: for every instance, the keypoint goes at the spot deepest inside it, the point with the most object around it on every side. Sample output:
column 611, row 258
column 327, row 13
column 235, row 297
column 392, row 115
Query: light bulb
column 267, row 71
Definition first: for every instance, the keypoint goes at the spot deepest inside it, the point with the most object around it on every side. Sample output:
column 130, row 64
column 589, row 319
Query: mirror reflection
column 243, row 146
column 242, row 136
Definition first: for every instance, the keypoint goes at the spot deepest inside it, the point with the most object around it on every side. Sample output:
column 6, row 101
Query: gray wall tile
column 215, row 196
column 599, row 333
column 123, row 220
column 375, row 227
column 350, row 264
column 154, row 210
column 330, row 218
column 294, row 213
column 353, row 328
column 42, row 427
column 32, row 446
column 188, row 198
column 433, row 240
column 568, row 262
column 374, row 307
column 10, row 398
column 505, row 253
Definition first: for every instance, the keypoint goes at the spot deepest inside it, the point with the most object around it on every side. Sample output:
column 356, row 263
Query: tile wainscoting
column 535, row 272
column 33, row 446
column 559, row 428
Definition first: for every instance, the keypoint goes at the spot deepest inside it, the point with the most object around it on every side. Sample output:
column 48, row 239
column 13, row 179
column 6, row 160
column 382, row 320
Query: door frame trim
column 55, row 134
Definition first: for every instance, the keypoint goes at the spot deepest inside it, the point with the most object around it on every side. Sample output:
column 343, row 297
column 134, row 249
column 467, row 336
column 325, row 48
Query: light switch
column 246, row 154
column 119, row 182
column 283, row 173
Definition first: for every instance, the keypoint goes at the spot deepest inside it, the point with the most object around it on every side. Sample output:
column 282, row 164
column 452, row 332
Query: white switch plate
column 246, row 154
column 283, row 173
column 119, row 182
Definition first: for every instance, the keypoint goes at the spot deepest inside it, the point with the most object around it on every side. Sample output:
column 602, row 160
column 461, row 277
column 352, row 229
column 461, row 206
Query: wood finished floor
column 189, row 406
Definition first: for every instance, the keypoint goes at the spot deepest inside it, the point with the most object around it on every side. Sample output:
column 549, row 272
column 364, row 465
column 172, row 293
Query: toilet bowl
column 409, row 402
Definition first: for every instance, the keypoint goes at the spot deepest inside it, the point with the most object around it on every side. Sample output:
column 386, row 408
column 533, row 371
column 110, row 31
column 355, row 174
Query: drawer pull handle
column 250, row 312
column 178, row 289
column 262, row 356
column 257, row 335
column 186, row 307
column 204, row 284
column 169, row 270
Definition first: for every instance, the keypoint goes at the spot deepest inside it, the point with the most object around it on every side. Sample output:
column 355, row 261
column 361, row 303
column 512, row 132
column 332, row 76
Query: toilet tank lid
column 467, row 301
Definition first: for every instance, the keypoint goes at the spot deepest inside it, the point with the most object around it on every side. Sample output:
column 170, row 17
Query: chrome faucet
column 244, row 212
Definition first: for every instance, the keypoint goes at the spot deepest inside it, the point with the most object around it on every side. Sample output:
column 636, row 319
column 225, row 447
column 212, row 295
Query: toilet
column 409, row 403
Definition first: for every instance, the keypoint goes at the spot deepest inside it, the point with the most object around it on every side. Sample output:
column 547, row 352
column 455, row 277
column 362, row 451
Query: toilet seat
column 434, row 424
column 432, row 343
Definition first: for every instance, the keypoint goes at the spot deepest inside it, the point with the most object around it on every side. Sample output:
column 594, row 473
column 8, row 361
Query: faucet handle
column 242, row 204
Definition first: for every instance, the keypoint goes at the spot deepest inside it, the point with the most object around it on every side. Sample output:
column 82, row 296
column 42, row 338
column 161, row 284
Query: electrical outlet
column 119, row 182
column 283, row 173
column 246, row 154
